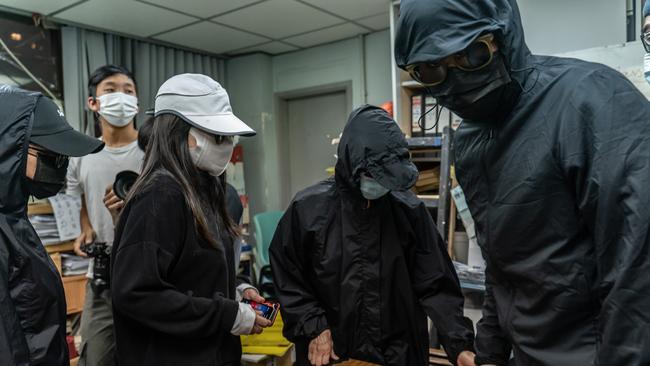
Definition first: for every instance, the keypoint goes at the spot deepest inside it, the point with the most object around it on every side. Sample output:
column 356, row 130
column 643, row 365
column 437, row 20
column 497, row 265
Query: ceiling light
column 16, row 36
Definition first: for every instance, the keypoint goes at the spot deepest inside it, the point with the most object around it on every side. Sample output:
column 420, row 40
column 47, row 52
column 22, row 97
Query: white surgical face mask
column 118, row 108
column 371, row 189
column 208, row 155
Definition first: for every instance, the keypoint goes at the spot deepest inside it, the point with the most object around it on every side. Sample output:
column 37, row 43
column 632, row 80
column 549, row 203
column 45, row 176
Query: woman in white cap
column 173, row 276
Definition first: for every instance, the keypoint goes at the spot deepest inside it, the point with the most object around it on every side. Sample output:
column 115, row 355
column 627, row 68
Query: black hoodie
column 558, row 187
column 369, row 271
column 32, row 302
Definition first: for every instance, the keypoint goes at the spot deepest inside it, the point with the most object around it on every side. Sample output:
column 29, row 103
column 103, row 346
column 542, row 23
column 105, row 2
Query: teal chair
column 265, row 225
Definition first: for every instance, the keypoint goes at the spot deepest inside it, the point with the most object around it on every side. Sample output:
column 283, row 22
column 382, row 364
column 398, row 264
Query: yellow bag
column 270, row 342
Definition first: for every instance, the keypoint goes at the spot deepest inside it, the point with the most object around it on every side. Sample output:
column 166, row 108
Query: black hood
column 33, row 303
column 430, row 30
column 373, row 142
column 16, row 115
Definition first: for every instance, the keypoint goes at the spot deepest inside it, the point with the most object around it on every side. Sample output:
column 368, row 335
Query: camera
column 123, row 182
column 101, row 253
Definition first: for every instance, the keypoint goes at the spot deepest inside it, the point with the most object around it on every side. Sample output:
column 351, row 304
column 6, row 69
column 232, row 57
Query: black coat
column 173, row 293
column 32, row 302
column 559, row 187
column 369, row 271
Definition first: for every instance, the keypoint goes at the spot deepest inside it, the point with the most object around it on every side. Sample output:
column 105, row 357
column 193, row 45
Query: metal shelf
column 425, row 160
column 430, row 201
column 426, row 142
column 472, row 286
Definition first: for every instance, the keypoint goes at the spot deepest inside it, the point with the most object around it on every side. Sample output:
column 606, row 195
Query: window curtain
column 151, row 64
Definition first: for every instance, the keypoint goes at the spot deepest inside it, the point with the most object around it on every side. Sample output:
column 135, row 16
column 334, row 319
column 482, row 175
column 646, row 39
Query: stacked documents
column 45, row 226
column 72, row 265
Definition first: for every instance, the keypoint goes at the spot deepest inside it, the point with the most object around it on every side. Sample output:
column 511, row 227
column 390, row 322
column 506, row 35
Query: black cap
column 51, row 131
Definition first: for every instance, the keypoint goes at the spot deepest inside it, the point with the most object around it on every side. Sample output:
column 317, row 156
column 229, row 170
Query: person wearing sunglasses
column 35, row 144
column 553, row 155
column 175, row 290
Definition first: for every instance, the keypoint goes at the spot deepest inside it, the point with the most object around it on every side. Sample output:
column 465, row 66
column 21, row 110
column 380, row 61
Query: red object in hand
column 72, row 350
column 269, row 310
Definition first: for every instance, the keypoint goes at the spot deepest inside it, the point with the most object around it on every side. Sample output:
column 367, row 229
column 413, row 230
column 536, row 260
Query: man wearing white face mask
column 112, row 98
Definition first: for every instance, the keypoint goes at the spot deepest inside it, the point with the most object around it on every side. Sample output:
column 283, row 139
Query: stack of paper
column 45, row 226
column 470, row 277
column 72, row 265
column 474, row 256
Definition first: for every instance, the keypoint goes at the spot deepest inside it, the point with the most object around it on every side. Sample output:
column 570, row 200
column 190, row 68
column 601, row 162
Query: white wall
column 555, row 26
column 256, row 82
column 377, row 60
column 335, row 63
column 250, row 86
column 626, row 58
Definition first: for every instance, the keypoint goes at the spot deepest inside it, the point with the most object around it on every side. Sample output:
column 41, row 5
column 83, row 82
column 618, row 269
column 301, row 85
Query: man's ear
column 93, row 104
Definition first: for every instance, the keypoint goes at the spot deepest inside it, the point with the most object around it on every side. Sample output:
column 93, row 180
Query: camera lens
column 124, row 180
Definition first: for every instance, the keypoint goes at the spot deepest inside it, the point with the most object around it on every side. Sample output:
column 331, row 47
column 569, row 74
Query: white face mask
column 118, row 108
column 646, row 67
column 208, row 155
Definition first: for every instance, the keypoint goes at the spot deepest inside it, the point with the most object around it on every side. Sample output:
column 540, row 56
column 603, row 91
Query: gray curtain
column 84, row 51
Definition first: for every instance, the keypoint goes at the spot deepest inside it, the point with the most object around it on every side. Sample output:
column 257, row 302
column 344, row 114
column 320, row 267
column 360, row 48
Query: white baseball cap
column 201, row 102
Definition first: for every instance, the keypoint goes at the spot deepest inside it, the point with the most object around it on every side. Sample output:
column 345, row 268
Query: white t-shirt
column 90, row 175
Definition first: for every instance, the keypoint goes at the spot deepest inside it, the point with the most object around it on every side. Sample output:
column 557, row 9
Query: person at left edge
column 35, row 143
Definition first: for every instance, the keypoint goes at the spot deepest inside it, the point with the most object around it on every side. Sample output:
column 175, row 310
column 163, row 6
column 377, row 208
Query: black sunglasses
column 222, row 138
column 476, row 56
column 645, row 39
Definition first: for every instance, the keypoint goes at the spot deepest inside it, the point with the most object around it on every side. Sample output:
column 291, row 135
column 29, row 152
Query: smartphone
column 269, row 310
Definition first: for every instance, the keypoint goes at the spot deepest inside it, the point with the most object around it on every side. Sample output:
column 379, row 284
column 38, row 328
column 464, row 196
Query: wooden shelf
column 430, row 200
column 73, row 286
column 66, row 246
column 412, row 84
column 427, row 142
column 40, row 208
column 75, row 292
column 438, row 357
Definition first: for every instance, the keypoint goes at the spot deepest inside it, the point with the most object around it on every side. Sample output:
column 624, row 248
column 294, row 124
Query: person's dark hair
column 104, row 72
column 98, row 76
column 167, row 152
column 144, row 133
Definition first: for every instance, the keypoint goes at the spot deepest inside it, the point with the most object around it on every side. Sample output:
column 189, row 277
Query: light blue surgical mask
column 371, row 189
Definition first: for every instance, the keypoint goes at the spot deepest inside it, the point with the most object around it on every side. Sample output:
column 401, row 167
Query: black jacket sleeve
column 303, row 316
column 492, row 344
column 605, row 156
column 13, row 348
column 435, row 281
column 153, row 232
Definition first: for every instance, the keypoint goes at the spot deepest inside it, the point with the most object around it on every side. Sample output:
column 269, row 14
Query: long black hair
column 167, row 152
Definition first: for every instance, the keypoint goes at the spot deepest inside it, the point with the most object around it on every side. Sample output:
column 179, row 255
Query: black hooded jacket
column 32, row 302
column 371, row 271
column 559, row 187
